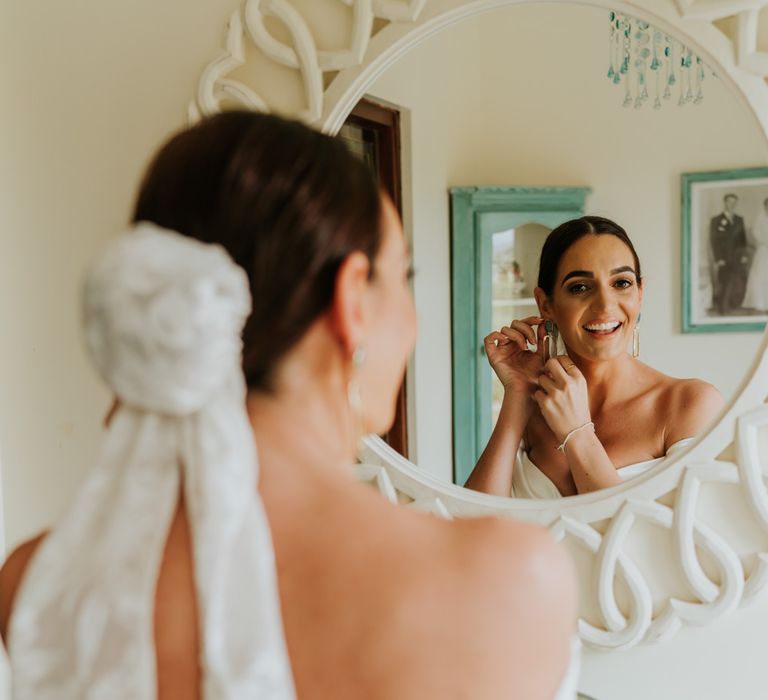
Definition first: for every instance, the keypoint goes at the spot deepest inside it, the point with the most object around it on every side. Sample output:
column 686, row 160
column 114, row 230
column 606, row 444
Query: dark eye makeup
column 581, row 287
column 577, row 288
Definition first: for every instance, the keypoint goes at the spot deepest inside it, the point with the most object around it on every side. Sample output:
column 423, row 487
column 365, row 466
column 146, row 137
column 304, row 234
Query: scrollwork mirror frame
column 728, row 453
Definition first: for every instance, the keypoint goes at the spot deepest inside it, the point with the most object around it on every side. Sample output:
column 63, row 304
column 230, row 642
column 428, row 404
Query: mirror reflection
column 514, row 270
column 587, row 416
column 517, row 99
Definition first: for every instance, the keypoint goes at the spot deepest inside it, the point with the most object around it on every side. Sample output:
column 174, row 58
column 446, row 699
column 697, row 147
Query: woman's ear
column 542, row 301
column 350, row 306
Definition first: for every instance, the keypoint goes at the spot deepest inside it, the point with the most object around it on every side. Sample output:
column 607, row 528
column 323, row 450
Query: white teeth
column 602, row 326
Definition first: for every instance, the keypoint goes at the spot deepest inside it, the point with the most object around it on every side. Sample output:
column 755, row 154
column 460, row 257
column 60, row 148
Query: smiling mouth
column 602, row 329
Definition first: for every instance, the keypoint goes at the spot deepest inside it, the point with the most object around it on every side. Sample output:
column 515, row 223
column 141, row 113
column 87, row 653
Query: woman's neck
column 305, row 423
column 610, row 380
column 310, row 428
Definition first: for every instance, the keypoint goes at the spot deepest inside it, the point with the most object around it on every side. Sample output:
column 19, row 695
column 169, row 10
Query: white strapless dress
column 528, row 481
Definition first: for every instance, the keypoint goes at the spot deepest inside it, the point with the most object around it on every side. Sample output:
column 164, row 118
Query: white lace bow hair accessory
column 163, row 316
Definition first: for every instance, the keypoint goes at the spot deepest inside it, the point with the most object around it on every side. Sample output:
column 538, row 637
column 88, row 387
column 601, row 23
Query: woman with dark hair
column 596, row 415
column 160, row 581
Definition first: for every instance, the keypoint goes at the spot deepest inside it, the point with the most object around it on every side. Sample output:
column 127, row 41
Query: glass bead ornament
column 651, row 63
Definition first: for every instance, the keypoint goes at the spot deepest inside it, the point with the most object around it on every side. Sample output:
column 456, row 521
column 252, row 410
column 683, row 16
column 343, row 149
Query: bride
column 596, row 415
column 161, row 580
column 756, row 296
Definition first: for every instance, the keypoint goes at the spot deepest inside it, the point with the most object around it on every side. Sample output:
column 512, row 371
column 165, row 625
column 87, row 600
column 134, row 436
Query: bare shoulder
column 10, row 577
column 691, row 405
column 519, row 566
column 496, row 544
column 464, row 608
column 519, row 603
column 506, row 560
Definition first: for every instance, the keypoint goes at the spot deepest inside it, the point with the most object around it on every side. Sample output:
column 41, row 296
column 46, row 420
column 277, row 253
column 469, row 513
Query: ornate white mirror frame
column 721, row 569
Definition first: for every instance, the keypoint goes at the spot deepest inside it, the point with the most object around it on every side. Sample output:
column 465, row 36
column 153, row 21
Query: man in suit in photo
column 728, row 243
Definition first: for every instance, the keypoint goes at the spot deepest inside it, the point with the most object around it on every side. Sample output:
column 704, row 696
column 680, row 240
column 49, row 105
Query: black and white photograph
column 725, row 251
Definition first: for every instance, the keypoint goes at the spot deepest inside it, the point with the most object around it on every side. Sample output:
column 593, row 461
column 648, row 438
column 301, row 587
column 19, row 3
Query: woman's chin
column 598, row 352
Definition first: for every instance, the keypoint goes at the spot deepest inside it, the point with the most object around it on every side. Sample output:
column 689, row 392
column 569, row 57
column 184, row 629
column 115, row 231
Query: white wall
column 519, row 96
column 89, row 89
column 724, row 661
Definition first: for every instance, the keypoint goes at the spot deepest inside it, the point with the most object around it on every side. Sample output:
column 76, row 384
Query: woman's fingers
column 495, row 337
column 567, row 364
column 525, row 326
column 519, row 332
column 498, row 339
column 547, row 384
column 532, row 320
column 556, row 370
column 514, row 335
column 563, row 369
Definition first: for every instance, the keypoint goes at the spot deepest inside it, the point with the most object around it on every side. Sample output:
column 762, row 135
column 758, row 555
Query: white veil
column 163, row 316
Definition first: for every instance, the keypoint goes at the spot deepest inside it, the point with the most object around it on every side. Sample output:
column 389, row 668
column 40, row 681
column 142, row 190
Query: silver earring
column 550, row 340
column 358, row 356
column 636, row 338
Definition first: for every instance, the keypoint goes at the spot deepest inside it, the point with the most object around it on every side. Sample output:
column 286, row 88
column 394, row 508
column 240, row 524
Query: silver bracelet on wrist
column 561, row 446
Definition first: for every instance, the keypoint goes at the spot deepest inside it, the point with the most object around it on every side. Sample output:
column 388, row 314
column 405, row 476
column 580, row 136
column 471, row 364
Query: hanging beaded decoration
column 639, row 54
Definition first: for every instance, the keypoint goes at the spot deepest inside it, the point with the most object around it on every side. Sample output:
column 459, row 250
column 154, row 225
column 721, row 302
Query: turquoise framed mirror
column 496, row 238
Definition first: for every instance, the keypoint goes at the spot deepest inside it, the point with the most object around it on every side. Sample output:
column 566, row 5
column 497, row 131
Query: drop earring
column 354, row 399
column 550, row 340
column 636, row 338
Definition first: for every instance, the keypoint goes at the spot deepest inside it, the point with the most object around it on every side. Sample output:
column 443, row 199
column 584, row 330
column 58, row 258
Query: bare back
column 381, row 602
column 176, row 632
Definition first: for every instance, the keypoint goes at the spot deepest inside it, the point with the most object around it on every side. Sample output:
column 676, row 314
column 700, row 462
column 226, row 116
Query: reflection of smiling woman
column 596, row 415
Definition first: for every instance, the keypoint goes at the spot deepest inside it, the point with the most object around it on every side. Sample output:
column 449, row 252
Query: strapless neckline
column 528, row 481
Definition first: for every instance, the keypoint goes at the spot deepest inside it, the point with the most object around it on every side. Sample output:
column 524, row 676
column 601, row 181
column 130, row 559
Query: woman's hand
column 562, row 396
column 517, row 367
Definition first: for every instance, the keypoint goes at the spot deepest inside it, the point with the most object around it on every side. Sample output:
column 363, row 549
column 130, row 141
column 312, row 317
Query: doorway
column 372, row 132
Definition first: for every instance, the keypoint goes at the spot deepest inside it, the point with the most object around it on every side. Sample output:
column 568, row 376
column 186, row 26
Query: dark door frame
column 381, row 124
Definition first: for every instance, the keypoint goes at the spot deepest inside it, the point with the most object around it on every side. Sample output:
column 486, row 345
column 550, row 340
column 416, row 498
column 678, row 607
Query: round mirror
column 524, row 111
column 516, row 104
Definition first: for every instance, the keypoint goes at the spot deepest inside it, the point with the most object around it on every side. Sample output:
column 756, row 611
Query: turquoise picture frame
column 700, row 275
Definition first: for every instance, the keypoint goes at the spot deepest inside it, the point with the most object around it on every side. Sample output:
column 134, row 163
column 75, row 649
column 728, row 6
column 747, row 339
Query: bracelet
column 573, row 432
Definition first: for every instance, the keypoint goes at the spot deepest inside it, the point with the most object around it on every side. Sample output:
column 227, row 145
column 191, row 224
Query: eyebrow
column 587, row 273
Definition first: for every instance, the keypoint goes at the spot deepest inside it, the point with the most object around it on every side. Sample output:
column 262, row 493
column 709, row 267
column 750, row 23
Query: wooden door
column 372, row 131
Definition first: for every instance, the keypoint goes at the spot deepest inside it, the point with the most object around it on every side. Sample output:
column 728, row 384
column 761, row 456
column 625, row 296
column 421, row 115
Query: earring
column 358, row 356
column 354, row 398
column 636, row 338
column 550, row 340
